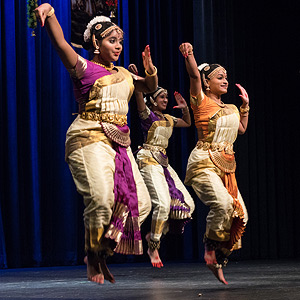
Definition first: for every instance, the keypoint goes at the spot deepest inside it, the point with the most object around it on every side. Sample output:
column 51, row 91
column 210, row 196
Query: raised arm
column 191, row 66
column 46, row 16
column 150, row 82
column 244, row 110
column 185, row 121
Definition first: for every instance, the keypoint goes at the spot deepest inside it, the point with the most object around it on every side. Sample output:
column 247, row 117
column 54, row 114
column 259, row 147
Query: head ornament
column 99, row 19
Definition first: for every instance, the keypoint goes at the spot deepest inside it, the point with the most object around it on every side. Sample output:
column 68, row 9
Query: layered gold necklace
column 104, row 66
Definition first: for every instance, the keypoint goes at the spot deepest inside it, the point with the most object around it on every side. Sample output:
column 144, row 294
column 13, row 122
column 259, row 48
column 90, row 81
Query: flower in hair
column 98, row 19
column 202, row 66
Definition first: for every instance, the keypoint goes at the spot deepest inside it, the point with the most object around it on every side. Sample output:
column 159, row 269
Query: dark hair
column 98, row 32
column 207, row 72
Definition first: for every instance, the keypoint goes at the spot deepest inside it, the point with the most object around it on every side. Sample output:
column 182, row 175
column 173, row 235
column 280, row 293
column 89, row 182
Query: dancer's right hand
column 186, row 49
column 41, row 12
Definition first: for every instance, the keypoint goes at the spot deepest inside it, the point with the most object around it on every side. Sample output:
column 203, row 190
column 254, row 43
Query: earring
column 97, row 50
column 155, row 104
column 208, row 89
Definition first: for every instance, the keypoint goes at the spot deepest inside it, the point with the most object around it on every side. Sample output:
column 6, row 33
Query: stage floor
column 139, row 281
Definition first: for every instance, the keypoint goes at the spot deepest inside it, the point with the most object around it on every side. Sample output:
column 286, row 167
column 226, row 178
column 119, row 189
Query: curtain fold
column 39, row 202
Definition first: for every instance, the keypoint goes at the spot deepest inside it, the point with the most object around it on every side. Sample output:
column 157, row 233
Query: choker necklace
column 221, row 103
column 104, row 66
column 159, row 114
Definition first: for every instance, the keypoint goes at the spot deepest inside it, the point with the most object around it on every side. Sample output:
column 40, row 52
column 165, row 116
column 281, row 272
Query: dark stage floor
column 247, row 280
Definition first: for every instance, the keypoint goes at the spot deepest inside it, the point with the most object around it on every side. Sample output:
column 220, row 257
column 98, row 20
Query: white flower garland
column 202, row 66
column 98, row 19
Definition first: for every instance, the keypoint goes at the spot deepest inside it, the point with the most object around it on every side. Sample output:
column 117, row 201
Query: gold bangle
column 185, row 110
column 51, row 12
column 244, row 109
column 153, row 74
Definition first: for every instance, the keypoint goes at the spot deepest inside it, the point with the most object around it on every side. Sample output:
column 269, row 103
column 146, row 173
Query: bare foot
column 97, row 270
column 93, row 272
column 107, row 275
column 218, row 272
column 154, row 255
column 155, row 259
column 211, row 263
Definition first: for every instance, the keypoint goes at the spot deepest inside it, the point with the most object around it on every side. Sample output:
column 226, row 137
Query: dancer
column 97, row 142
column 211, row 165
column 172, row 204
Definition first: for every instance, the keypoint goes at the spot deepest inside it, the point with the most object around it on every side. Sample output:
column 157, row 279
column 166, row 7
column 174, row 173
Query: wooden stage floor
column 139, row 281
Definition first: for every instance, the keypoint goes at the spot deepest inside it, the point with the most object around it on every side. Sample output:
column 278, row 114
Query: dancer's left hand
column 181, row 103
column 244, row 96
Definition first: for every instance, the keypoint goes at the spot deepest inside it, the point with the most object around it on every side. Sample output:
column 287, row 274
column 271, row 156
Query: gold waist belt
column 120, row 120
column 227, row 147
column 155, row 148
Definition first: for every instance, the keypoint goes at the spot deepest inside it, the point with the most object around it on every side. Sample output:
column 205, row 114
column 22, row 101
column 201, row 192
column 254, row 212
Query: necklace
column 159, row 114
column 104, row 66
column 221, row 103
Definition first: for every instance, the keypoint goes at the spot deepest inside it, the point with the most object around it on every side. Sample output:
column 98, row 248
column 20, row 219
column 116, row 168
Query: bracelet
column 244, row 110
column 190, row 52
column 185, row 110
column 50, row 13
column 153, row 74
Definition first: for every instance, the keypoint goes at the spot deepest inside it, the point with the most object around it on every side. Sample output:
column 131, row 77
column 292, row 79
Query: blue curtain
column 40, row 210
column 38, row 201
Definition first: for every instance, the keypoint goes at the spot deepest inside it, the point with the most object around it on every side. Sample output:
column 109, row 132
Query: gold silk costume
column 211, row 171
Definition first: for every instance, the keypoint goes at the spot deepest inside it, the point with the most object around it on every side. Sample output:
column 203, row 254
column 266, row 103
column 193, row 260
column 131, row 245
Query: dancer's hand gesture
column 186, row 49
column 41, row 12
column 181, row 103
column 243, row 95
column 133, row 69
column 147, row 61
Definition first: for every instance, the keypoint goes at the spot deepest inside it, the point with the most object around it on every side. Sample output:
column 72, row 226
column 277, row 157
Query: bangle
column 244, row 110
column 50, row 13
column 185, row 110
column 153, row 74
column 190, row 52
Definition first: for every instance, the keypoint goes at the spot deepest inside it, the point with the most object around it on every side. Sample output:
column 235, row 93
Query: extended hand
column 147, row 61
column 180, row 101
column 41, row 12
column 243, row 95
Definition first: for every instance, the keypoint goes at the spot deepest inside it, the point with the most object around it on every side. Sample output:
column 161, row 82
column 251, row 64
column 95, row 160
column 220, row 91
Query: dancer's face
column 218, row 84
column 111, row 46
column 162, row 101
